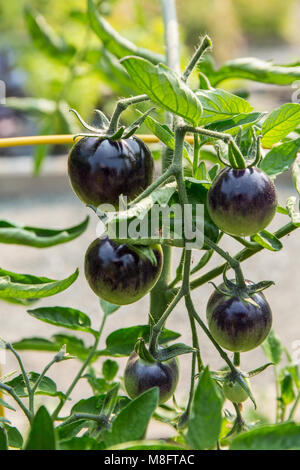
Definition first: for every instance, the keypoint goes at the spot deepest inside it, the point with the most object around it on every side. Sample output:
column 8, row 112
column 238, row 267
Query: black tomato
column 118, row 274
column 238, row 325
column 242, row 202
column 140, row 376
column 100, row 170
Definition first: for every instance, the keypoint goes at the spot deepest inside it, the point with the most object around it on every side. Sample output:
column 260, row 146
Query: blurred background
column 41, row 86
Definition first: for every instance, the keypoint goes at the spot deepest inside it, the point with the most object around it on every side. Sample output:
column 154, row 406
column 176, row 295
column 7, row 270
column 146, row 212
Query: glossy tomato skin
column 100, row 170
column 242, row 202
column 237, row 325
column 140, row 376
column 234, row 392
column 119, row 275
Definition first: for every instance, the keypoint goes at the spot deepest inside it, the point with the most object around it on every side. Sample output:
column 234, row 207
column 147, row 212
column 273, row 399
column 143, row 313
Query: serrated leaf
column 251, row 68
column 284, row 436
column 206, row 414
column 164, row 87
column 113, row 41
column 132, row 422
column 26, row 286
column 286, row 381
column 63, row 316
column 166, row 136
column 46, row 39
column 165, row 354
column 91, row 405
column 41, row 435
column 280, row 123
column 272, row 348
column 46, row 387
column 12, row 233
column 220, row 104
column 267, row 240
column 280, row 158
column 231, row 125
column 121, row 342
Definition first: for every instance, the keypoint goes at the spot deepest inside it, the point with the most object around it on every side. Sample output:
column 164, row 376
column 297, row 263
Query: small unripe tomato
column 238, row 325
column 242, row 202
column 100, row 169
column 118, row 274
column 233, row 390
column 140, row 376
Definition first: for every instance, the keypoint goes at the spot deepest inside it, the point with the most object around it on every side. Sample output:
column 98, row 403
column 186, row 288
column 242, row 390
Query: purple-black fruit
column 140, row 376
column 236, row 324
column 118, row 274
column 100, row 170
column 242, row 202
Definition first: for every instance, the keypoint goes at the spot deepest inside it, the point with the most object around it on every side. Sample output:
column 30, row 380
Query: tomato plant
column 211, row 159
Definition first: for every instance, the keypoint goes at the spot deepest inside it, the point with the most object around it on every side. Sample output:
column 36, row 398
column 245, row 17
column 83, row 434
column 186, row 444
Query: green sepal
column 141, row 349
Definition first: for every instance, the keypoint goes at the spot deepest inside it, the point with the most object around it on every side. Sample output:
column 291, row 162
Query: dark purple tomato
column 140, row 376
column 242, row 202
column 100, row 170
column 238, row 325
column 118, row 274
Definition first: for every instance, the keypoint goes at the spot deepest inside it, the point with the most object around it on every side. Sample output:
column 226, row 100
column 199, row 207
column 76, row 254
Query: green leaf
column 296, row 175
column 66, row 431
column 284, row 436
column 164, row 87
column 132, row 421
column 109, row 369
column 280, row 123
column 220, row 104
column 3, row 439
column 46, row 387
column 166, row 136
column 91, row 405
column 75, row 346
column 286, row 386
column 232, row 124
column 206, row 414
column 294, row 215
column 32, row 105
column 41, row 436
column 6, row 405
column 251, row 68
column 175, row 350
column 272, row 348
column 26, row 286
column 112, row 40
column 121, row 342
column 45, row 39
column 14, row 437
column 80, row 443
column 148, row 445
column 108, row 308
column 280, row 158
column 267, row 240
column 63, row 316
column 12, row 233
column 253, row 373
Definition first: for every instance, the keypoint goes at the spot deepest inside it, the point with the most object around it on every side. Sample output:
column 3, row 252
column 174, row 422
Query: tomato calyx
column 236, row 159
column 244, row 291
column 143, row 352
column 104, row 131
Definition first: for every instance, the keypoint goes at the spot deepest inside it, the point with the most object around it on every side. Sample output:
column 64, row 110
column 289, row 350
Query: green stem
column 196, row 153
column 121, row 106
column 294, row 407
column 82, row 369
column 179, row 270
column 12, row 393
column 241, row 256
column 201, row 49
column 25, row 377
column 42, row 375
column 237, row 359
